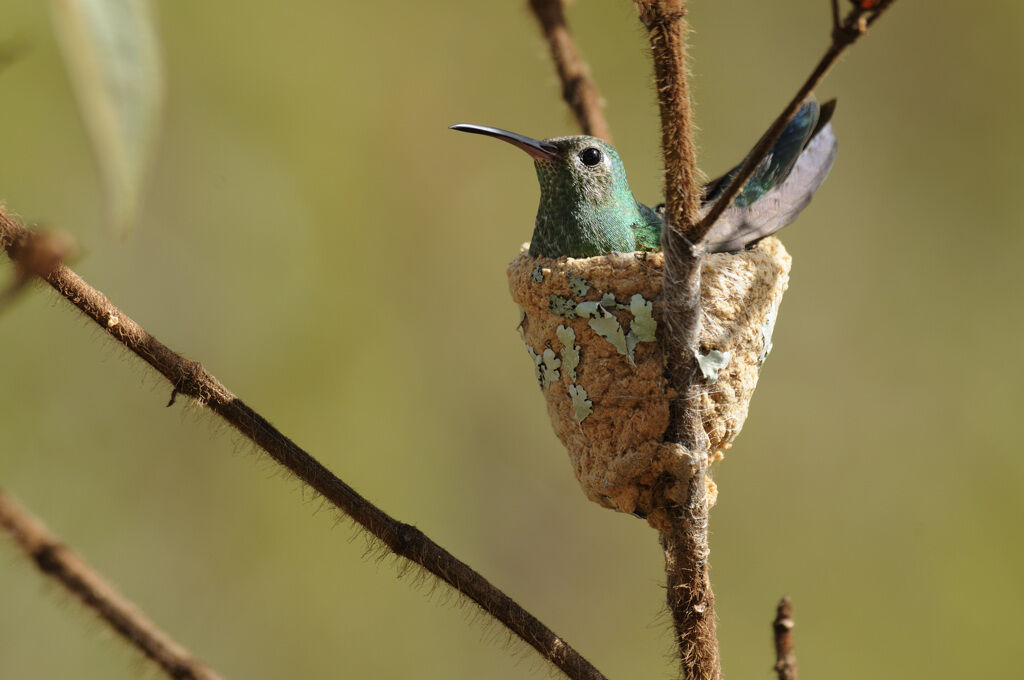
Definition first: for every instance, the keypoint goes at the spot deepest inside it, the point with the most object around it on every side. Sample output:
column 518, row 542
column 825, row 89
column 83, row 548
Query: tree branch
column 685, row 540
column 59, row 562
column 578, row 89
column 844, row 34
column 665, row 21
column 785, row 663
column 191, row 379
column 690, row 597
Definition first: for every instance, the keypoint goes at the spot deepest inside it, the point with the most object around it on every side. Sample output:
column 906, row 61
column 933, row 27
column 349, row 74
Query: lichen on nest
column 594, row 327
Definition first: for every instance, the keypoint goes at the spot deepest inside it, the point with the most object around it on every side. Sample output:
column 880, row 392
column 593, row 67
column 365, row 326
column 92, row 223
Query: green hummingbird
column 587, row 208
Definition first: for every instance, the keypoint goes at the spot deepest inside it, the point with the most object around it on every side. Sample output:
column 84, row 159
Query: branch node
column 406, row 536
column 782, row 626
column 189, row 381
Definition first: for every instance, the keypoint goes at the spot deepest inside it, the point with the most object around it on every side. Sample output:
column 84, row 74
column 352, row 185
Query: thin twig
column 875, row 9
column 59, row 562
column 782, row 626
column 578, row 89
column 845, row 34
column 691, row 600
column 189, row 378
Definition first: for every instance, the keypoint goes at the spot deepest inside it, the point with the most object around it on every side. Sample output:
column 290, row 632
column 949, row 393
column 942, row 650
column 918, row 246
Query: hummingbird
column 587, row 208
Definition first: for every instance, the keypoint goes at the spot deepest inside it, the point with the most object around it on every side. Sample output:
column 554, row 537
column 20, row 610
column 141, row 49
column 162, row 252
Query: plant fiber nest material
column 593, row 327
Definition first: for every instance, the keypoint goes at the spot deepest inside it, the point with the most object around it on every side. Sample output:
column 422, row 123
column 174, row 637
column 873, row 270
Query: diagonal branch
column 578, row 89
column 844, row 34
column 56, row 560
column 191, row 379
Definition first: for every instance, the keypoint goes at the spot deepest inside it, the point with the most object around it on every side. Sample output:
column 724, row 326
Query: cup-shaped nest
column 594, row 329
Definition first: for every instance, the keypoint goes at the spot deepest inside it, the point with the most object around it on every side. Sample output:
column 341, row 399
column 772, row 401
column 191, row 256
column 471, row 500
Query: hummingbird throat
column 582, row 214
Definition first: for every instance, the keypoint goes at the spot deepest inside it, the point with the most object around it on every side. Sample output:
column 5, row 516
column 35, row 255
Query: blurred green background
column 316, row 237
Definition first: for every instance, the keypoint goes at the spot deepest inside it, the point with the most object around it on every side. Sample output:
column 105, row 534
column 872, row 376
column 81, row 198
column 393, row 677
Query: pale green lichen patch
column 538, row 274
column 606, row 325
column 582, row 406
column 562, row 306
column 578, row 285
column 644, row 325
column 767, row 329
column 631, row 343
column 545, row 365
column 609, row 328
column 536, row 364
column 608, row 301
column 570, row 351
column 587, row 308
column 712, row 363
column 549, row 368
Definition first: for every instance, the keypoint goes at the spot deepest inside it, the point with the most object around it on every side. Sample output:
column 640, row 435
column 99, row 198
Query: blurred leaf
column 112, row 54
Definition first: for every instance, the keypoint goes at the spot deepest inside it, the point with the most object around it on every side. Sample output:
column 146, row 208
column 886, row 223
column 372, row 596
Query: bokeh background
column 313, row 233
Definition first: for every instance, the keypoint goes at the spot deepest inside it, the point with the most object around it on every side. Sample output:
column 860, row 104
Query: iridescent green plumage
column 587, row 208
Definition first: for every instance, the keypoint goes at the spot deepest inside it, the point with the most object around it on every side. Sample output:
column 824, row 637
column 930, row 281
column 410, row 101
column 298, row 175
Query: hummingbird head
column 586, row 206
column 584, row 171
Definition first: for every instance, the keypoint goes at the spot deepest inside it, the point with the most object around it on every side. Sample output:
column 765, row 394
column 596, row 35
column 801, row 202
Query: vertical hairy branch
column 685, row 541
column 189, row 378
column 690, row 598
column 59, row 562
column 665, row 21
column 578, row 89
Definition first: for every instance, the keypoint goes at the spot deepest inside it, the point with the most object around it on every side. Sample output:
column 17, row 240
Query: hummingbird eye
column 590, row 156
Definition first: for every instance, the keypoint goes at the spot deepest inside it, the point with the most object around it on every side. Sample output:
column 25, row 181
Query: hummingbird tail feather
column 740, row 227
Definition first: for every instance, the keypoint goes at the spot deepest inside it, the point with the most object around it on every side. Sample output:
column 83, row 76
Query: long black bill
column 534, row 147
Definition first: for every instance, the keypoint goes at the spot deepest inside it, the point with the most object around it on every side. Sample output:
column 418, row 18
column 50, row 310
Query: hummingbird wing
column 781, row 186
